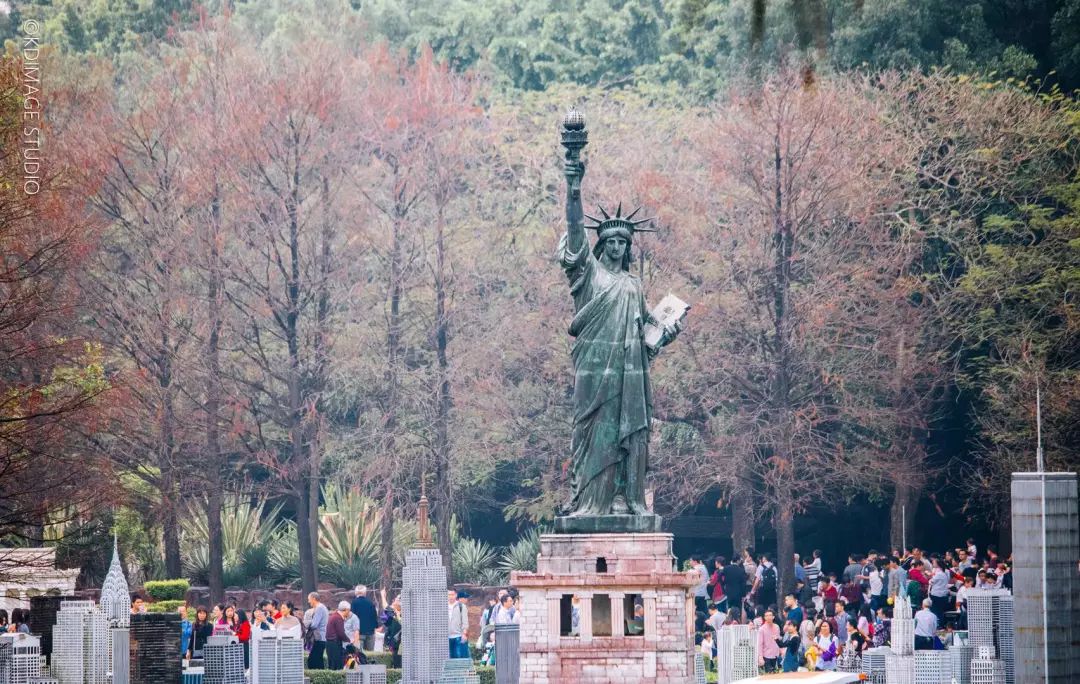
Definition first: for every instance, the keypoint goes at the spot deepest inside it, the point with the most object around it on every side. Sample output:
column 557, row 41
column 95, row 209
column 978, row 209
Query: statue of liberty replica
column 616, row 337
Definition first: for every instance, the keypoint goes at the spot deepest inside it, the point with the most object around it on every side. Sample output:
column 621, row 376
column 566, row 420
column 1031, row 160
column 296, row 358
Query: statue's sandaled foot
column 618, row 505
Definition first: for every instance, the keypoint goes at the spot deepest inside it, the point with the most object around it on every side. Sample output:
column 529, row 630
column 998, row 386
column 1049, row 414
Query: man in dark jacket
column 735, row 583
column 364, row 610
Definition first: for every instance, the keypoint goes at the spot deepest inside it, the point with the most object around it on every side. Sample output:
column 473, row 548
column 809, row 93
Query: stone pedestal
column 603, row 578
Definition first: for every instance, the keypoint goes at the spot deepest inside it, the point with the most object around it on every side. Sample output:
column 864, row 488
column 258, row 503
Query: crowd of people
column 333, row 639
column 18, row 622
column 337, row 639
column 825, row 618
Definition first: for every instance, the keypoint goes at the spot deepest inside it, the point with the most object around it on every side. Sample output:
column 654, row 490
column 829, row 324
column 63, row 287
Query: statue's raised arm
column 574, row 138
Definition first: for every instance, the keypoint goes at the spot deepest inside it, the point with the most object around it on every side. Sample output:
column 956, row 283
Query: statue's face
column 615, row 247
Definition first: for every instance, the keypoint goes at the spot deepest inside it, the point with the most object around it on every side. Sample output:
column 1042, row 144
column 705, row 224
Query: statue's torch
column 574, row 138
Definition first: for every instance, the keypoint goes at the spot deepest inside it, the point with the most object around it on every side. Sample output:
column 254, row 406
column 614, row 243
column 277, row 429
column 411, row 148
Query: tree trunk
column 901, row 516
column 386, row 539
column 306, row 539
column 443, row 474
column 214, row 298
column 742, row 521
column 170, row 527
column 308, row 579
column 315, row 462
column 169, row 522
column 784, row 522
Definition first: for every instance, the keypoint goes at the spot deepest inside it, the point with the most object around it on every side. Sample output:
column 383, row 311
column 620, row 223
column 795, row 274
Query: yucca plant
column 283, row 554
column 522, row 554
column 492, row 577
column 471, row 559
column 348, row 538
column 247, row 530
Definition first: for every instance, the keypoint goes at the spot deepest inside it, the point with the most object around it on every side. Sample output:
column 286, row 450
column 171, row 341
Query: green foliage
column 522, row 554
column 473, row 561
column 380, row 658
column 168, row 606
column 487, row 676
column 164, row 590
column 247, row 531
column 348, row 538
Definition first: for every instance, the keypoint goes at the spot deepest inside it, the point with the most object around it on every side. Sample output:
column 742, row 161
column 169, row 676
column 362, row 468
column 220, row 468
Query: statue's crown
column 618, row 223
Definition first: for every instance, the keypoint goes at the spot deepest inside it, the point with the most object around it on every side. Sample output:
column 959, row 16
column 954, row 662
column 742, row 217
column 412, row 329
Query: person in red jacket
column 336, row 638
column 243, row 633
column 716, row 584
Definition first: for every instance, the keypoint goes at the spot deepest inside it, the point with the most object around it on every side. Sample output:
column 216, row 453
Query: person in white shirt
column 925, row 627
column 507, row 613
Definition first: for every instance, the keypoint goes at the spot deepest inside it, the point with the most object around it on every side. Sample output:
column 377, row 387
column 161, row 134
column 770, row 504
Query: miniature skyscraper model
column 81, row 644
column 223, row 660
column 115, row 599
column 276, row 658
column 991, row 625
column 24, row 651
column 903, row 628
column 1045, row 551
column 423, row 607
column 116, row 605
column 736, row 653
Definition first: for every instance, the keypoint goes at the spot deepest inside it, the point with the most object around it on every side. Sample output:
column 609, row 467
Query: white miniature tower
column 873, row 664
column 933, row 667
column 902, row 630
column 961, row 656
column 223, row 658
column 985, row 668
column 115, row 597
column 736, row 653
column 116, row 605
column 276, row 658
column 899, row 669
column 81, row 644
column 25, row 657
column 990, row 624
column 423, row 607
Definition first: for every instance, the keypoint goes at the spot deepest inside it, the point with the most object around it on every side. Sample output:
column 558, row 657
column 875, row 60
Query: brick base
column 608, row 574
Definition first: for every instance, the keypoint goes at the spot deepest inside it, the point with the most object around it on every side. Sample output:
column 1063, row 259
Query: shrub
column 487, row 676
column 380, row 658
column 167, row 590
column 167, row 606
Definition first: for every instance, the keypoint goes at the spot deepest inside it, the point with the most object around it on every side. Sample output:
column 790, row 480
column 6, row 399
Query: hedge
column 487, row 676
column 167, row 590
column 169, row 606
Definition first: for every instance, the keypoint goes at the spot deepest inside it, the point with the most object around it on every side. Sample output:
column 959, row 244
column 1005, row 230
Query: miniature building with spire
column 115, row 597
column 423, row 606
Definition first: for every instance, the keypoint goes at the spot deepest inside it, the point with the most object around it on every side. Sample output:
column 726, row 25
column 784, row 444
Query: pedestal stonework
column 608, row 574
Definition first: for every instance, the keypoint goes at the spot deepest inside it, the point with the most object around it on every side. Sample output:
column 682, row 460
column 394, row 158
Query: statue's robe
column 612, row 399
